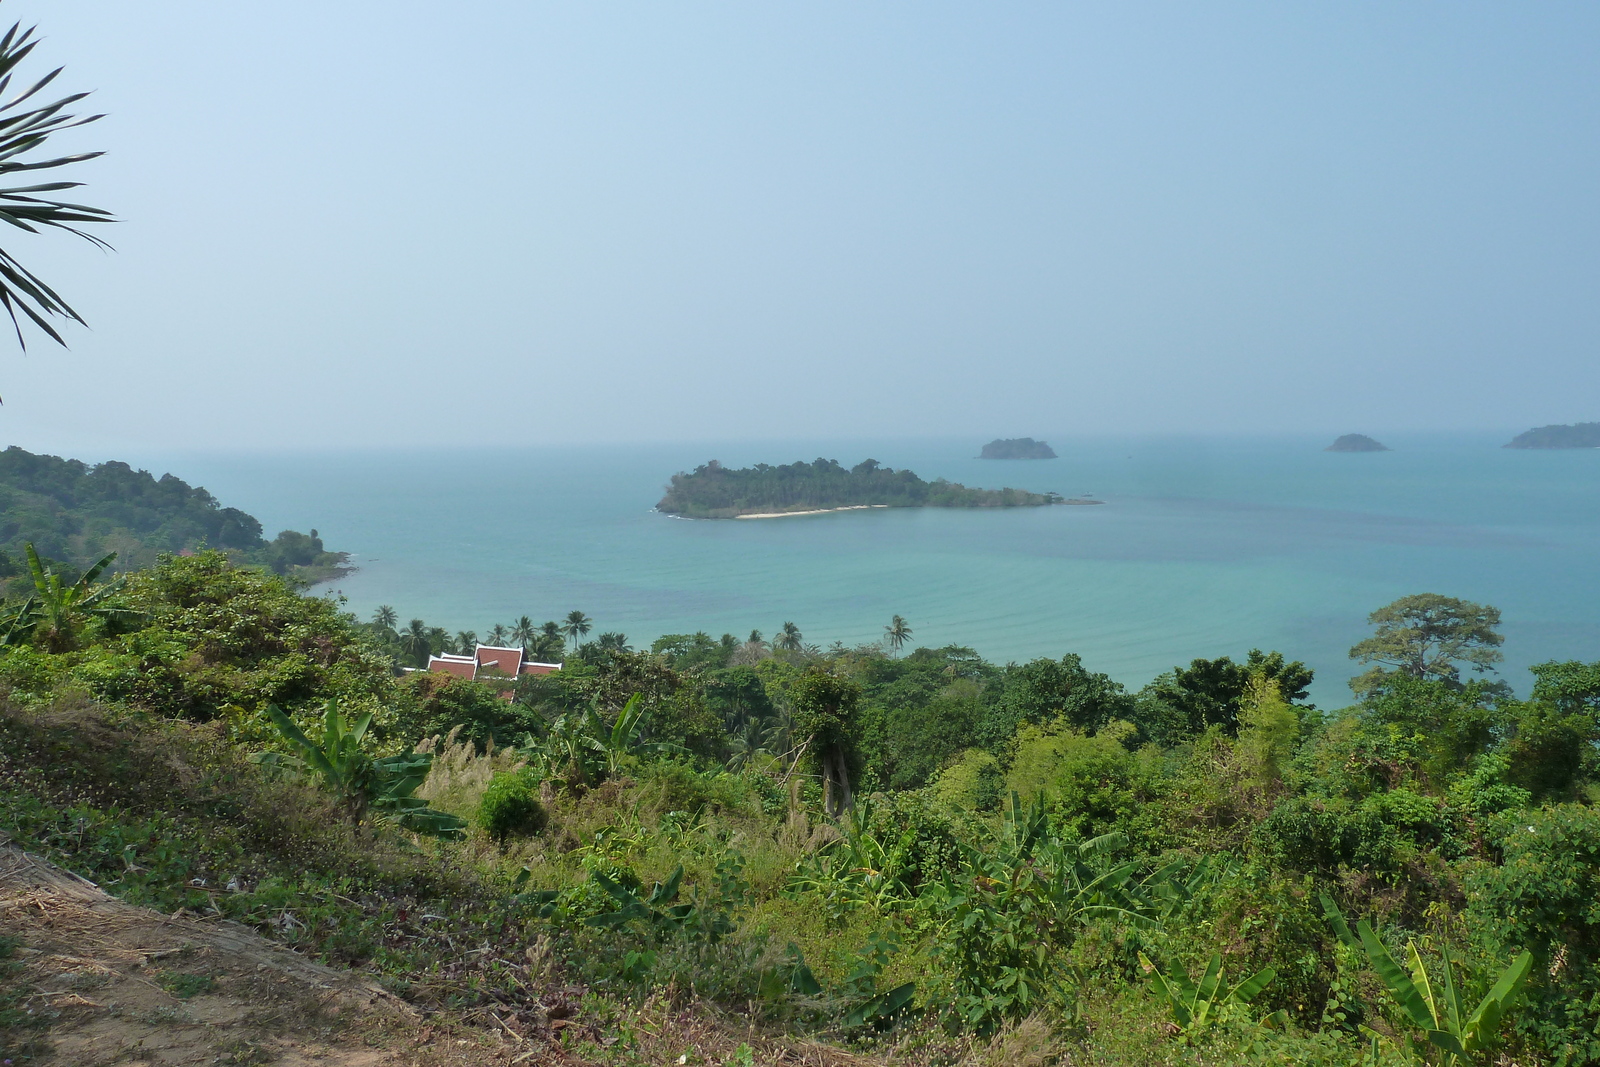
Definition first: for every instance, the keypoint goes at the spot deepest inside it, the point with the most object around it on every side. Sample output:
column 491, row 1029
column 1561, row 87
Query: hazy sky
column 475, row 222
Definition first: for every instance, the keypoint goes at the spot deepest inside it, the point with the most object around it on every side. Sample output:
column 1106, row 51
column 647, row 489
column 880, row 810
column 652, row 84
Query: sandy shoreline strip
column 814, row 511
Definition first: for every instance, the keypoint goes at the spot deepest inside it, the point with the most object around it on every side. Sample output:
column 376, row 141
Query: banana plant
column 622, row 740
column 999, row 919
column 384, row 784
column 58, row 608
column 1456, row 1035
column 1198, row 1006
column 660, row 911
column 582, row 748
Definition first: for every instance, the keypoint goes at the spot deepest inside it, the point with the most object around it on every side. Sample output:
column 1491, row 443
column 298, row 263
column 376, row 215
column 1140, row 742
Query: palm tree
column 577, row 625
column 385, row 618
column 56, row 611
column 615, row 642
column 416, row 643
column 897, row 633
column 438, row 639
column 788, row 638
column 522, row 633
column 23, row 129
column 499, row 635
column 746, row 745
column 466, row 641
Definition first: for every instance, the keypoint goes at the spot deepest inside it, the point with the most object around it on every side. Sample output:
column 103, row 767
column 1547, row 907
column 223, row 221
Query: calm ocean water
column 1204, row 547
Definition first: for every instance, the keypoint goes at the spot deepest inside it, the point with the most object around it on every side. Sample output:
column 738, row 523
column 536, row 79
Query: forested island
column 1577, row 435
column 1356, row 442
column 713, row 491
column 76, row 513
column 1017, row 448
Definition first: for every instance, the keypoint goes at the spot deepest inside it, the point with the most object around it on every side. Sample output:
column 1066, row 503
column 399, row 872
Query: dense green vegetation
column 927, row 852
column 77, row 513
column 1577, row 435
column 1017, row 448
column 713, row 491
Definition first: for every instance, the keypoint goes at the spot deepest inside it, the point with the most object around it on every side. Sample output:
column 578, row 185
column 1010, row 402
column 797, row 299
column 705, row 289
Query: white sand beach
column 814, row 511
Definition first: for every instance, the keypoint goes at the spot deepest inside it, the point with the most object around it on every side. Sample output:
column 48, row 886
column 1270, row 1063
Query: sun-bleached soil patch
column 119, row 984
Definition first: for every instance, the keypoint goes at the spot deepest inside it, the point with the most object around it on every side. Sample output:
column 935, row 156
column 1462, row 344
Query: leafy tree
column 432, row 704
column 906, row 744
column 25, row 125
column 897, row 633
column 576, row 626
column 1045, row 689
column 1211, row 692
column 1571, row 687
column 688, row 651
column 825, row 723
column 1428, row 636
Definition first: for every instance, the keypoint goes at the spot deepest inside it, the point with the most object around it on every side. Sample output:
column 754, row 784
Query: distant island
column 1356, row 442
column 76, row 513
column 1017, row 448
column 713, row 491
column 1578, row 435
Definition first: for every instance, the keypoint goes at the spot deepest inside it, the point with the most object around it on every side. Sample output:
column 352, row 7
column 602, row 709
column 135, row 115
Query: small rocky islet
column 1017, row 448
column 1356, row 442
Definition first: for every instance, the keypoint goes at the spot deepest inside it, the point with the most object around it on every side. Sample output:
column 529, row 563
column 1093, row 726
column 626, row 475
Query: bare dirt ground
column 117, row 984
column 120, row 984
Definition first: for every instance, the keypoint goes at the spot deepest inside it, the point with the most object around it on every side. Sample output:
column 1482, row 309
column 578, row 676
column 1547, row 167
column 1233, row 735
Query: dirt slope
column 119, row 984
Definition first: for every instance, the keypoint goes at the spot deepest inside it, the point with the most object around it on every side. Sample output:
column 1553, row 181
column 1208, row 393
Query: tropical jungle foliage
column 924, row 856
column 713, row 491
column 77, row 513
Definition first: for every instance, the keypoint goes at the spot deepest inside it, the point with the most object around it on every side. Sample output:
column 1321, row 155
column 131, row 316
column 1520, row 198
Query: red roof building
column 490, row 661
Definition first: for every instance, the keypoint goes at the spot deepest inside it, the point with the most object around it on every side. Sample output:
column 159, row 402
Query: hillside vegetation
column 739, row 853
column 76, row 513
column 713, row 491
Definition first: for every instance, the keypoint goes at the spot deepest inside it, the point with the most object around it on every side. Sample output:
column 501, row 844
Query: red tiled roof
column 490, row 661
column 460, row 666
column 506, row 660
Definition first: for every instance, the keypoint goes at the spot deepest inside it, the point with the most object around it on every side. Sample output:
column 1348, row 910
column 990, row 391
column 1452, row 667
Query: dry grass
column 461, row 773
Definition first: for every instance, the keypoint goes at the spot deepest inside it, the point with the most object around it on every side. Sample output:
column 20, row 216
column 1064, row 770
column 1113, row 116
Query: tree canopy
column 1428, row 636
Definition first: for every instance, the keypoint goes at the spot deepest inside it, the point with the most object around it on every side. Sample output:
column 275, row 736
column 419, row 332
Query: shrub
column 1542, row 897
column 510, row 806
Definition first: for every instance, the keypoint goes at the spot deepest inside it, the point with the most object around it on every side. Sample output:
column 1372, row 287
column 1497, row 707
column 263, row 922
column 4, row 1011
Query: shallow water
column 1204, row 547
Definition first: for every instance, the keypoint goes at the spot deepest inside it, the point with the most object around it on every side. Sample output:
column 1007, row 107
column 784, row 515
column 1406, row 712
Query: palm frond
column 24, row 127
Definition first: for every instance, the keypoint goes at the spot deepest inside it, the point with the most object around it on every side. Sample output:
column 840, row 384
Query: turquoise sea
column 1204, row 547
